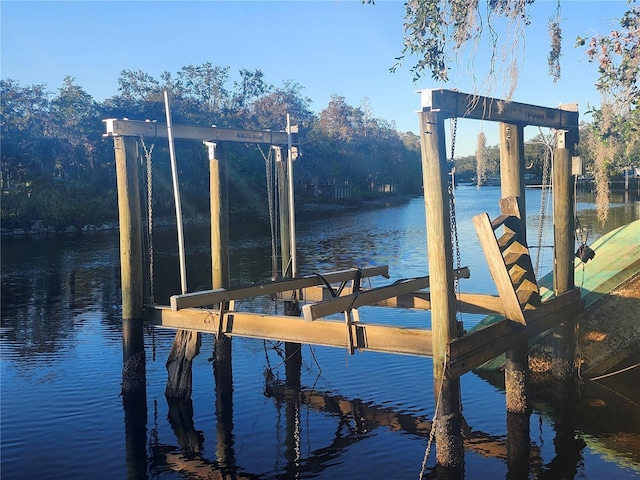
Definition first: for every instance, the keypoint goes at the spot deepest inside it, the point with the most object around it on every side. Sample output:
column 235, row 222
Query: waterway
column 353, row 416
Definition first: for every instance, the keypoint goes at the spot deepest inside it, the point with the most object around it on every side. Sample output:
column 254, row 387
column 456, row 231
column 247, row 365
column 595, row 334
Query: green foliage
column 438, row 31
column 57, row 167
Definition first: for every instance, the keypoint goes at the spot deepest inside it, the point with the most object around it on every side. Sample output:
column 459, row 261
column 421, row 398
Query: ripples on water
column 63, row 415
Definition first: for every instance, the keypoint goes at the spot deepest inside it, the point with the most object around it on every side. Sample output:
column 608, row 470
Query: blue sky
column 329, row 47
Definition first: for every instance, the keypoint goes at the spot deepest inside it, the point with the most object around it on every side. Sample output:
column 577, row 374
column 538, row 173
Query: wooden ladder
column 509, row 260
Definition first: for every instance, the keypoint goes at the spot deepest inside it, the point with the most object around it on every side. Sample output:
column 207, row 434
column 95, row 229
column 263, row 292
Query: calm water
column 358, row 416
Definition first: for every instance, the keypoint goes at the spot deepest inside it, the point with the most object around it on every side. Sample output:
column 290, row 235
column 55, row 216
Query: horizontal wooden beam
column 379, row 338
column 314, row 311
column 369, row 297
column 455, row 104
column 136, row 128
column 472, row 350
column 465, row 302
column 214, row 297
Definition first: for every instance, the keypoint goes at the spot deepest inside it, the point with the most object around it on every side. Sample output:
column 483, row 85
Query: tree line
column 58, row 168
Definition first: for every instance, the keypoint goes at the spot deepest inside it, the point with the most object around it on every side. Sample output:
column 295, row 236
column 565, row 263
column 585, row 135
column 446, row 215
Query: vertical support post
column 449, row 444
column 293, row 351
column 219, row 200
column 563, row 268
column 516, row 373
column 283, row 210
column 512, row 184
column 134, row 397
column 219, row 204
column 130, row 220
column 220, row 278
column 292, row 209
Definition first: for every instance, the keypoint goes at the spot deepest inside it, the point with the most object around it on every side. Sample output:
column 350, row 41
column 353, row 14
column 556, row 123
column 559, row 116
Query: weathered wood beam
column 379, row 338
column 135, row 128
column 463, row 105
column 465, row 302
column 314, row 311
column 497, row 268
column 370, row 296
column 213, row 297
column 472, row 350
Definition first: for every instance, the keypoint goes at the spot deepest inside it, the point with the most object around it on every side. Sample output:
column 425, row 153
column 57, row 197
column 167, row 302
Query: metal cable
column 147, row 155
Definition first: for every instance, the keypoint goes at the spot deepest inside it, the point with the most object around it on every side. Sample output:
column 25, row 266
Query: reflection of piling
column 518, row 445
column 135, row 426
column 512, row 185
column 223, row 377
column 292, row 453
column 449, row 442
column 181, row 420
column 130, row 214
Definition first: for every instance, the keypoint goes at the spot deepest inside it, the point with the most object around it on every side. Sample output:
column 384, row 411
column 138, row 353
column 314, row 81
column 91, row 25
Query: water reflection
column 62, row 359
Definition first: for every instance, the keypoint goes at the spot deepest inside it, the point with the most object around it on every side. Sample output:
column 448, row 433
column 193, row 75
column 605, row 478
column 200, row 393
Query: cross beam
column 379, row 338
column 212, row 297
column 463, row 105
column 135, row 128
column 370, row 297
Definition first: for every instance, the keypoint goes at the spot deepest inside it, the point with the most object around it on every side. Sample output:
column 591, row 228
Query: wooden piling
column 219, row 201
column 131, row 261
column 219, row 205
column 293, row 351
column 222, row 364
column 283, row 212
column 512, row 184
column 449, row 444
column 563, row 268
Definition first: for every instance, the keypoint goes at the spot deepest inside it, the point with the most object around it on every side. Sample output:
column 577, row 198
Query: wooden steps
column 509, row 260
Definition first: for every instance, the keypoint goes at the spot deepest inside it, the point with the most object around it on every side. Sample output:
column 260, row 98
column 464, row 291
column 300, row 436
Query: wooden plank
column 465, row 302
column 472, row 350
column 213, row 297
column 498, row 269
column 371, row 296
column 379, row 338
column 463, row 105
column 365, row 297
column 135, row 128
column 509, row 204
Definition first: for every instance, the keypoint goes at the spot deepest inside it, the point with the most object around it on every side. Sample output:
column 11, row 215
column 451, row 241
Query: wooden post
column 219, row 198
column 130, row 220
column 293, row 351
column 563, row 268
column 219, row 204
column 283, row 211
column 449, row 443
column 222, row 364
column 512, row 184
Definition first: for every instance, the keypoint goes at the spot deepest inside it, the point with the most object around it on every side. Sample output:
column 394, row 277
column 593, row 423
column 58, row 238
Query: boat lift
column 454, row 352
